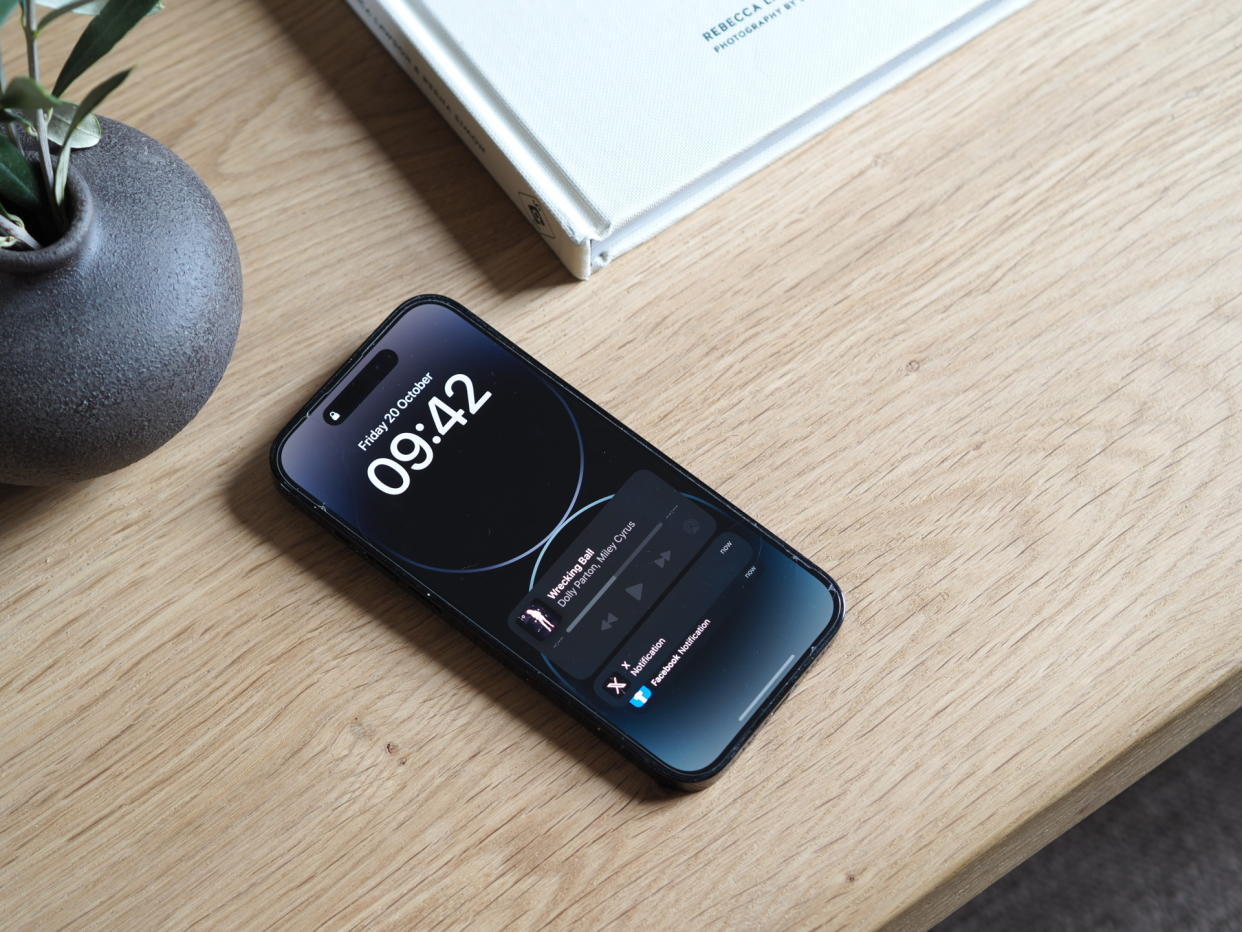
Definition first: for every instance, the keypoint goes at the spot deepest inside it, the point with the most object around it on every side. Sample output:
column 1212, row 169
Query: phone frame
column 557, row 691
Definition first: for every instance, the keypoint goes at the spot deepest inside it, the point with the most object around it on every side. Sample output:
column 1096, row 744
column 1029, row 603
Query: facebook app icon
column 639, row 699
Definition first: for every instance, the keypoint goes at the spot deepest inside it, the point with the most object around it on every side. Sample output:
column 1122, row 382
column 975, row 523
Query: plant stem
column 9, row 127
column 30, row 25
column 8, row 228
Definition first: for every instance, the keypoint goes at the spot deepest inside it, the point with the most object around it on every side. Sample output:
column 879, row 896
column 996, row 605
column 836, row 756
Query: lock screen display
column 561, row 536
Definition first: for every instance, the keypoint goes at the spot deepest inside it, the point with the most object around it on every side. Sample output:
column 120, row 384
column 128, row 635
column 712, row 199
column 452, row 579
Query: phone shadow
column 260, row 507
column 457, row 189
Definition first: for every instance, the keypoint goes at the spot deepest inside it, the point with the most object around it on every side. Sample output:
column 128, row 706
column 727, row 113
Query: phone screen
column 564, row 539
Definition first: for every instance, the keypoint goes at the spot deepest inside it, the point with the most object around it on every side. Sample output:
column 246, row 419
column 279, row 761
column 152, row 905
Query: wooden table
column 975, row 350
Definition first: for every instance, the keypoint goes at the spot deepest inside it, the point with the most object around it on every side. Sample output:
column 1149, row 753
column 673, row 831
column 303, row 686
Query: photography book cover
column 607, row 123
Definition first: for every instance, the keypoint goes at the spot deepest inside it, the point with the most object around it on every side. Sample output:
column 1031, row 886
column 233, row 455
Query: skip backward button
column 608, row 622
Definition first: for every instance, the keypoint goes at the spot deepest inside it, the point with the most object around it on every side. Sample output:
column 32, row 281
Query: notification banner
column 651, row 654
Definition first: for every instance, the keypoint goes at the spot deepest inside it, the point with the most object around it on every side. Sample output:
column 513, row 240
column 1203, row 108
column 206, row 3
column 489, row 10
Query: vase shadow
column 259, row 506
column 454, row 185
column 24, row 505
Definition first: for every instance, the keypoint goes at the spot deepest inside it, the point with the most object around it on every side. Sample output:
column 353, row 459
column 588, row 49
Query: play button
column 635, row 591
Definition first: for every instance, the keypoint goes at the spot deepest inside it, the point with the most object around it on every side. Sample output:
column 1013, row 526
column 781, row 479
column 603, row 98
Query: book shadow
column 258, row 505
column 461, row 194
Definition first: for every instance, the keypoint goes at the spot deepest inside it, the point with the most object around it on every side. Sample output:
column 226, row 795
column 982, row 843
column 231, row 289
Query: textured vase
column 113, row 337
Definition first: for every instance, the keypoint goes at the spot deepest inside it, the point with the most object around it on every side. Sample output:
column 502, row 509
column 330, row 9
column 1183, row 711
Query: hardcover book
column 605, row 123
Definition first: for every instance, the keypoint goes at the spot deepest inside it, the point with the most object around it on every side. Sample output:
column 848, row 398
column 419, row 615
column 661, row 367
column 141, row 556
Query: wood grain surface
column 976, row 351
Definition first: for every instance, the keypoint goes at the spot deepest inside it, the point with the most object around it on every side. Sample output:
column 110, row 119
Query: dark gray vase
column 113, row 338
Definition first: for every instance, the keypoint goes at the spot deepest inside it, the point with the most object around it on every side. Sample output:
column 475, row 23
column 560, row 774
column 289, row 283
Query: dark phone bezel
column 686, row 780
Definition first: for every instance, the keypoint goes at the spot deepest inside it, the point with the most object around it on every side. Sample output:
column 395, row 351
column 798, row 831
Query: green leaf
column 6, row 7
column 116, row 19
column 26, row 95
column 85, row 109
column 75, row 6
column 86, row 135
column 61, row 7
column 19, row 187
column 86, row 7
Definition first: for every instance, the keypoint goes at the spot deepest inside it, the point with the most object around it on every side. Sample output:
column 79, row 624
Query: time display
column 412, row 452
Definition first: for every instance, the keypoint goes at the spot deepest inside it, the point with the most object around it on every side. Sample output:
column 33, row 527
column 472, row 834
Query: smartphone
column 588, row 561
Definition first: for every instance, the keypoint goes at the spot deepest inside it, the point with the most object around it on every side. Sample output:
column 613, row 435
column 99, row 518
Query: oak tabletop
column 975, row 350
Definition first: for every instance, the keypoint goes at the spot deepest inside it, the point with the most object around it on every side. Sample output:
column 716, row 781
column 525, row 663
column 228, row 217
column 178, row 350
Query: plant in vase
column 120, row 286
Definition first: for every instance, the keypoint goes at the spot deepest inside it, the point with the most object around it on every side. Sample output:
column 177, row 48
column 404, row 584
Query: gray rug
column 1164, row 855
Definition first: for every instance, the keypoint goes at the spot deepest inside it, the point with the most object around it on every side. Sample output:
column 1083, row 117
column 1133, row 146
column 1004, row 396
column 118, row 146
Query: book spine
column 394, row 34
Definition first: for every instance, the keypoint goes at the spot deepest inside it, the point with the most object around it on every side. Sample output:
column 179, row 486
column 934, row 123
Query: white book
column 605, row 123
